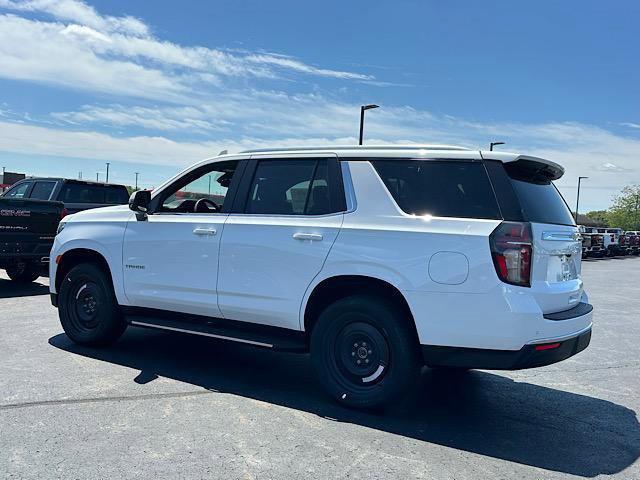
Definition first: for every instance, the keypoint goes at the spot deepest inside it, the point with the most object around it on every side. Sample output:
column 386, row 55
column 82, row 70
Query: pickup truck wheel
column 87, row 307
column 363, row 351
column 23, row 272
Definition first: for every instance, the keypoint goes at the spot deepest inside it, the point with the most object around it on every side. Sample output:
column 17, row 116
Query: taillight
column 511, row 249
column 64, row 213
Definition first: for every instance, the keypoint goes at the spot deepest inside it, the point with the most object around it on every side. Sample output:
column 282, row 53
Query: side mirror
column 139, row 203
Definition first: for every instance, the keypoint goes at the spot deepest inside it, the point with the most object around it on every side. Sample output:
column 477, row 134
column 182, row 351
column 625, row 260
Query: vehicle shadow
column 476, row 412
column 11, row 289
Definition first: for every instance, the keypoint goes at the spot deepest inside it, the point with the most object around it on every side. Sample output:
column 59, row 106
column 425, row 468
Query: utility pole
column 80, row 175
column 578, row 197
column 364, row 108
column 97, row 176
column 137, row 173
column 635, row 215
column 493, row 144
column 107, row 181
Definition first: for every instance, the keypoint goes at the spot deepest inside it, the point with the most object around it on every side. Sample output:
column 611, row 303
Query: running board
column 242, row 332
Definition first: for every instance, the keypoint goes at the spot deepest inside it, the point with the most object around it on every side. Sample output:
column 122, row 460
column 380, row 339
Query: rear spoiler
column 526, row 167
column 533, row 169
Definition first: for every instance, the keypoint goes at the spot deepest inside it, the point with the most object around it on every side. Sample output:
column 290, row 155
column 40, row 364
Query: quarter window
column 290, row 187
column 439, row 188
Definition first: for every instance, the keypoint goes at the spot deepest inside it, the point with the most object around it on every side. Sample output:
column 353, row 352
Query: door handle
column 204, row 231
column 308, row 236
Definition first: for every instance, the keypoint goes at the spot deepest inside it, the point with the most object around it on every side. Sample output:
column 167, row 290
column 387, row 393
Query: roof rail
column 356, row 147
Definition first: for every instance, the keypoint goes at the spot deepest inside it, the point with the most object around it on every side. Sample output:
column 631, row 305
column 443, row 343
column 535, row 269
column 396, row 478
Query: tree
column 625, row 211
column 601, row 216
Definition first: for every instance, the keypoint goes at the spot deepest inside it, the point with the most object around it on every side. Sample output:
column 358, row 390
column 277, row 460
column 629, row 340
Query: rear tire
column 87, row 307
column 23, row 272
column 363, row 352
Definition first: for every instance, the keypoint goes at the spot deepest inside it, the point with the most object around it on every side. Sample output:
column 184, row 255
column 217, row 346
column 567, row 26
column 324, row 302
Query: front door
column 170, row 261
column 277, row 242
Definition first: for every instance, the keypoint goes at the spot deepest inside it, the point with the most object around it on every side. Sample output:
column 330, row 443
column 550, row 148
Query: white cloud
column 121, row 47
column 79, row 12
column 40, row 52
column 629, row 124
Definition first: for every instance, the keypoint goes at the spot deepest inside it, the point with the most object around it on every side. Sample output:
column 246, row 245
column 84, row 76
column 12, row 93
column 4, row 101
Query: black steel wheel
column 87, row 307
column 364, row 351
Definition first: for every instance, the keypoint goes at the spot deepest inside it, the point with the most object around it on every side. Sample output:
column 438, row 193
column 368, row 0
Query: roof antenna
column 223, row 152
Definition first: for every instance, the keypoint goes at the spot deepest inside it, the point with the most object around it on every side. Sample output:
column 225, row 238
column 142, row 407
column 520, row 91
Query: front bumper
column 530, row 356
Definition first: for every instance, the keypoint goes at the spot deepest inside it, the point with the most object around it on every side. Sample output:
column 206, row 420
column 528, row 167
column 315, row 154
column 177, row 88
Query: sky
column 152, row 87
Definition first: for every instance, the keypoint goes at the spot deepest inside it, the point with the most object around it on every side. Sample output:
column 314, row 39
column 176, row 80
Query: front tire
column 363, row 352
column 23, row 272
column 88, row 310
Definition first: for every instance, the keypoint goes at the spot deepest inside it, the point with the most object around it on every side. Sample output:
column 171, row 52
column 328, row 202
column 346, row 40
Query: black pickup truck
column 77, row 195
column 29, row 215
column 27, row 230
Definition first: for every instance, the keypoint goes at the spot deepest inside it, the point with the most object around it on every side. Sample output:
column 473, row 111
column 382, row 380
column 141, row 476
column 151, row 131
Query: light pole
column 97, row 176
column 363, row 108
column 107, row 180
column 578, row 197
column 493, row 144
column 137, row 173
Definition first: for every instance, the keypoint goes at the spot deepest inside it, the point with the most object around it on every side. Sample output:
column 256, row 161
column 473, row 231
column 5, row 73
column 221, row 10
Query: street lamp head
column 493, row 144
column 580, row 178
column 369, row 107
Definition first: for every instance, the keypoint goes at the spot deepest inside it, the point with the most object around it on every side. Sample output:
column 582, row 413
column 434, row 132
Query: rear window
column 42, row 190
column 540, row 200
column 87, row 193
column 440, row 188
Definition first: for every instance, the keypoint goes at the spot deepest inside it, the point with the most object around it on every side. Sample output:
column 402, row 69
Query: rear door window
column 42, row 190
column 290, row 187
column 442, row 188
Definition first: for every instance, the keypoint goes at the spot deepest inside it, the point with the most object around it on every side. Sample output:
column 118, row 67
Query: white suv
column 377, row 260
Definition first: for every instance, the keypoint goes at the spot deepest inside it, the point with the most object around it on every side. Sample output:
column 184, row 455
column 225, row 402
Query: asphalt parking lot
column 162, row 405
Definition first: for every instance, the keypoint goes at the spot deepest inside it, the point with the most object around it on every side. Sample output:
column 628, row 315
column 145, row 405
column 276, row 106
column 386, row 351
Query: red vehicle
column 634, row 241
column 592, row 243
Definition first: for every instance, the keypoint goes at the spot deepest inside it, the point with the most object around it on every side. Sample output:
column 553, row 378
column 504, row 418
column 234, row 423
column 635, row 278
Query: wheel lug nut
column 364, row 344
column 366, row 360
column 358, row 362
column 353, row 354
column 369, row 352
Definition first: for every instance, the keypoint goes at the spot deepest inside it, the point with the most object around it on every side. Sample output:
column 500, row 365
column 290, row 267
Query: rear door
column 288, row 215
column 555, row 273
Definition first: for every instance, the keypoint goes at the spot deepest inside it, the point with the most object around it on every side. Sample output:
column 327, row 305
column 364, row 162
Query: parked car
column 611, row 239
column 27, row 230
column 634, row 241
column 377, row 260
column 77, row 195
column 592, row 243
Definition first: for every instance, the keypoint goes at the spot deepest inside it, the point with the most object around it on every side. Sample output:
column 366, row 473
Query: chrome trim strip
column 561, row 236
column 222, row 337
column 562, row 338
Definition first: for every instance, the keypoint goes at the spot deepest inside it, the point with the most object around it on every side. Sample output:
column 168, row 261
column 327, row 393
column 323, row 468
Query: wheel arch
column 340, row 286
column 76, row 256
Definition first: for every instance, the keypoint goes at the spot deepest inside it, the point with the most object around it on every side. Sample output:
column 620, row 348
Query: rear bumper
column 529, row 356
